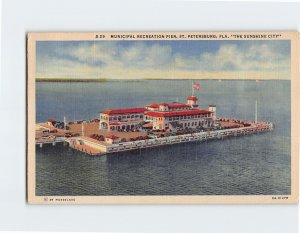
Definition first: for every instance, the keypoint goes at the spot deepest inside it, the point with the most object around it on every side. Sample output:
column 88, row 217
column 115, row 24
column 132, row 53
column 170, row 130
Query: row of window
column 197, row 123
column 191, row 124
column 140, row 116
column 128, row 127
column 185, row 117
column 121, row 117
column 180, row 117
column 174, row 109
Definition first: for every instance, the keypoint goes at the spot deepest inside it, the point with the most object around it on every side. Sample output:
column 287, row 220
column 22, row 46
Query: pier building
column 121, row 119
column 159, row 116
column 155, row 124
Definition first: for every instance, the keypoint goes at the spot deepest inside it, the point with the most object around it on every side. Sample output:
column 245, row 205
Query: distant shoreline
column 144, row 79
column 69, row 80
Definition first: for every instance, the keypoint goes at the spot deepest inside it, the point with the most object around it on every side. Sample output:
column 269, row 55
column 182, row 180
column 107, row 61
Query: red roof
column 171, row 105
column 51, row 120
column 194, row 98
column 178, row 105
column 112, row 136
column 114, row 123
column 123, row 111
column 177, row 113
column 155, row 105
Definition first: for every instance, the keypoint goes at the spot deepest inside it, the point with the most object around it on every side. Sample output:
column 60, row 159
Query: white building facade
column 161, row 116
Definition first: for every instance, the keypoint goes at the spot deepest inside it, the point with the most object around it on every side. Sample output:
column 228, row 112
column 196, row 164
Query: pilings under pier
column 41, row 143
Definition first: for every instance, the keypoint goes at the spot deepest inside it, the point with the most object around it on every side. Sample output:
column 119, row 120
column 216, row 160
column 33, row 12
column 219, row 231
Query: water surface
column 251, row 165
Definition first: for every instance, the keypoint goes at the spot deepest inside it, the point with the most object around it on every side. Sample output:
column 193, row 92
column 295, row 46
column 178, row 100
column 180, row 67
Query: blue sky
column 169, row 59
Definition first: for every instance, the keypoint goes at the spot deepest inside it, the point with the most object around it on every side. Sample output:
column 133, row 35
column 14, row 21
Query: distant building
column 51, row 122
column 159, row 116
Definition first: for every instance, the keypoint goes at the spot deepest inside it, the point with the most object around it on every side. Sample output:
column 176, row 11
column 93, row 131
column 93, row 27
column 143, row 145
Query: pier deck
column 94, row 147
column 93, row 128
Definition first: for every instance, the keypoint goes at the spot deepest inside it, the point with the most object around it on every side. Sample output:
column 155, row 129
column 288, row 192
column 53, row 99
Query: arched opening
column 104, row 125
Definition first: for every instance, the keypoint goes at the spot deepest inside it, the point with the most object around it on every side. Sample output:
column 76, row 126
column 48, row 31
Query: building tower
column 192, row 101
column 212, row 108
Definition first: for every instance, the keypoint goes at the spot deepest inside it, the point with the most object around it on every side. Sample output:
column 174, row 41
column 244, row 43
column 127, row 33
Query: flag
column 196, row 86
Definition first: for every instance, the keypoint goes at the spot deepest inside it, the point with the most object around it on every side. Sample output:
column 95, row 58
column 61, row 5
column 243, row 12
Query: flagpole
column 256, row 111
column 192, row 88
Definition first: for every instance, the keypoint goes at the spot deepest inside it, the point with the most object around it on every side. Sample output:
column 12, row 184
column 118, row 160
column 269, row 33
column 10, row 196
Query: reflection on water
column 256, row 164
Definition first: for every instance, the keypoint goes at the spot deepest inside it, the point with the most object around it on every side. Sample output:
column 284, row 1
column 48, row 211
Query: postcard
column 162, row 117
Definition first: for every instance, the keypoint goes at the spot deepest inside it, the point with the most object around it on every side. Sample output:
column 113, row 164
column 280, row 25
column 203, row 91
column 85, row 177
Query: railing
column 49, row 140
column 188, row 138
column 133, row 145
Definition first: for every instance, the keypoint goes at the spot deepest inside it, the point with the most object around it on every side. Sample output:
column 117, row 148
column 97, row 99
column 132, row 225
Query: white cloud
column 110, row 59
column 110, row 54
column 234, row 58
